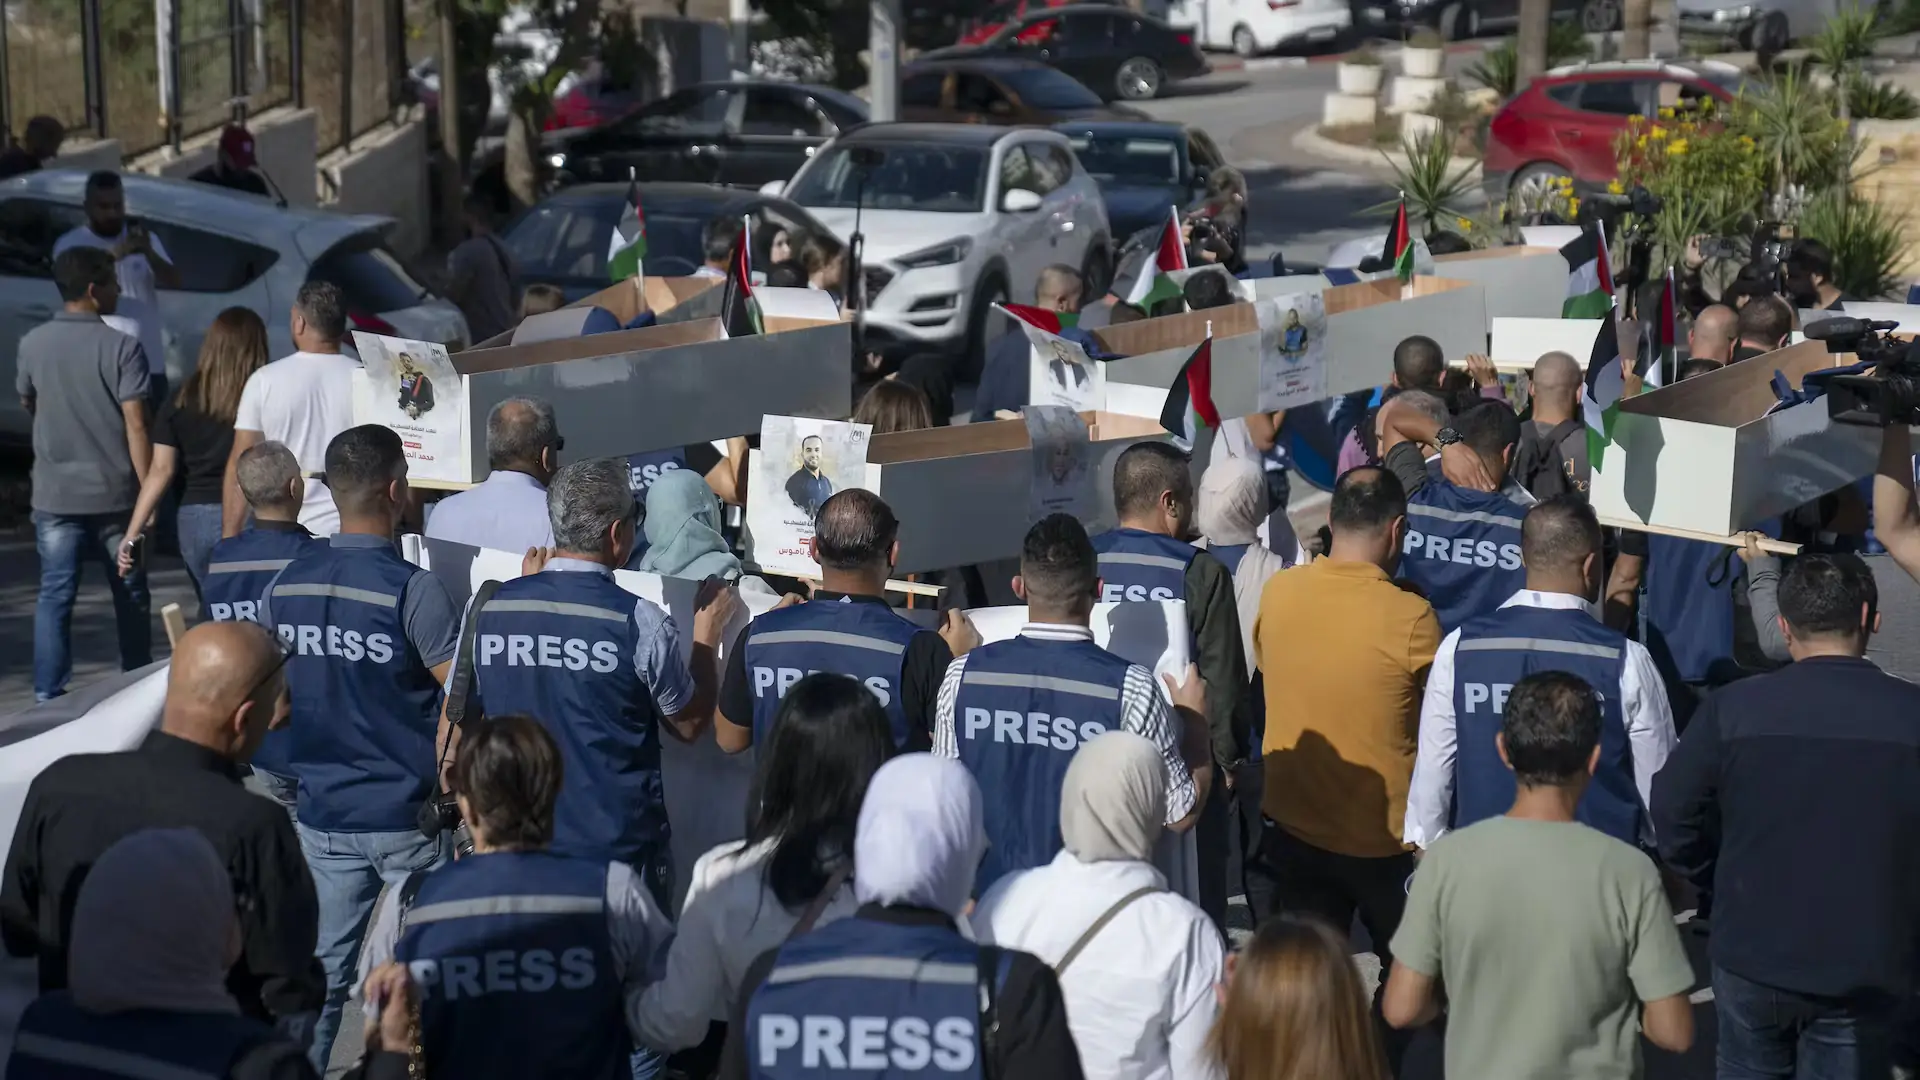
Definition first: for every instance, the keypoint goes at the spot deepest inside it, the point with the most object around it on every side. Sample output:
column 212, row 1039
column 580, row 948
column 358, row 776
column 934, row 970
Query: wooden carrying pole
column 1768, row 545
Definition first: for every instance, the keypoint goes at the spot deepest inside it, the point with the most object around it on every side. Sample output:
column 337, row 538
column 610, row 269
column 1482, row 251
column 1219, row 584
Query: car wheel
column 1602, row 16
column 991, row 290
column 1138, row 79
column 1533, row 181
column 1243, row 43
column 1771, row 36
column 1096, row 272
column 1458, row 22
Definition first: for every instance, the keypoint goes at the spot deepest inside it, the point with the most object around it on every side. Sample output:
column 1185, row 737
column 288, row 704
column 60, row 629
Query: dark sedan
column 1116, row 52
column 739, row 134
column 997, row 90
column 565, row 240
column 1143, row 169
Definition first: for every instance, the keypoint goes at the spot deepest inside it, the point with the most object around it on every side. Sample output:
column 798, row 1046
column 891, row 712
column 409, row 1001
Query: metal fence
column 154, row 72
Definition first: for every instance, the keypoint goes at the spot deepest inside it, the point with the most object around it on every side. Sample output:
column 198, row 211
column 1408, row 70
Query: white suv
column 956, row 218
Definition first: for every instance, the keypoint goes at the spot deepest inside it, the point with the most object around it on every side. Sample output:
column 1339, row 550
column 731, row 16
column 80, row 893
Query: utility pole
column 883, row 65
column 453, row 186
column 740, row 25
column 1530, row 44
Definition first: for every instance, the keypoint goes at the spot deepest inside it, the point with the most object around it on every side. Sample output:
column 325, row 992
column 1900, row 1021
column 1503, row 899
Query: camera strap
column 460, row 690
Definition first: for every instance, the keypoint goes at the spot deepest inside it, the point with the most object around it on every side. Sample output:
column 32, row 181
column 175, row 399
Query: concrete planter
column 1343, row 110
column 1412, row 93
column 1417, row 126
column 1422, row 63
column 1359, row 79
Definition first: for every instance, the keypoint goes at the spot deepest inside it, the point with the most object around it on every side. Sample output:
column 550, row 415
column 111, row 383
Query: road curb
column 1308, row 140
column 1387, row 53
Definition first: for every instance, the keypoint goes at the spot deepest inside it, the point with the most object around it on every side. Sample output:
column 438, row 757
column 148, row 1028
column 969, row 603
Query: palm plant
column 1870, row 99
column 1498, row 69
column 1796, row 129
column 1868, row 242
column 1848, row 37
column 1434, row 188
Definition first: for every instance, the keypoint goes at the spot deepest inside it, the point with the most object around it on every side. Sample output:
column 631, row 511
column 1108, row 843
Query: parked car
column 978, row 29
column 957, row 218
column 1252, row 27
column 739, row 134
column 596, row 97
column 1143, row 169
column 1765, row 26
column 232, row 249
column 1115, row 51
column 563, row 241
column 1462, row 19
column 990, row 90
column 1565, row 122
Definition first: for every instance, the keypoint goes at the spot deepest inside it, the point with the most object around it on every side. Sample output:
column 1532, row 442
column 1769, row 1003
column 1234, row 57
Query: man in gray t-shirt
column 85, row 384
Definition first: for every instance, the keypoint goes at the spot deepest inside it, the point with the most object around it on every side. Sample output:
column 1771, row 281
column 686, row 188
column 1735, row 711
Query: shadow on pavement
column 1202, row 86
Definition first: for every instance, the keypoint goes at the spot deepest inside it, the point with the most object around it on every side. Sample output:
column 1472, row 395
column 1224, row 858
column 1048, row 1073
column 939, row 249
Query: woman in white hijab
column 154, row 934
column 1138, row 964
column 919, row 841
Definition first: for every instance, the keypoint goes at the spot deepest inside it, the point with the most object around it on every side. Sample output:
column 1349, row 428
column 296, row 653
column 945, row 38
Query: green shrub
column 1426, row 38
column 1566, row 43
column 1799, row 132
column 1435, row 191
column 1870, row 99
column 1498, row 69
column 1849, row 36
column 1867, row 240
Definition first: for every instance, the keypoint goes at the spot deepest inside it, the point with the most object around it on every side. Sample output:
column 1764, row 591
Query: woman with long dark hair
column 794, row 868
column 194, row 434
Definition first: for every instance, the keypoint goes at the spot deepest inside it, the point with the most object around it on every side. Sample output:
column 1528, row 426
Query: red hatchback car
column 1565, row 122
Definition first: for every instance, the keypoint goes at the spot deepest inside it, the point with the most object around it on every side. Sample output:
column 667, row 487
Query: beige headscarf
column 1232, row 504
column 1113, row 802
column 154, row 927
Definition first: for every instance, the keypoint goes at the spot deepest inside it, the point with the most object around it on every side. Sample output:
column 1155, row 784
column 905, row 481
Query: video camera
column 1634, row 256
column 1891, row 393
column 1766, row 250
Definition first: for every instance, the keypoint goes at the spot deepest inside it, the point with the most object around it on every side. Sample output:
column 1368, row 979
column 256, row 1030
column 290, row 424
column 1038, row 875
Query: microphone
column 1844, row 327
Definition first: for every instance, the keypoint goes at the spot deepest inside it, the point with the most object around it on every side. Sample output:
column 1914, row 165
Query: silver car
column 231, row 248
column 1766, row 26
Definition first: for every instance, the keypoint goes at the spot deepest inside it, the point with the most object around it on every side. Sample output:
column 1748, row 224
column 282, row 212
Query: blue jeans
column 1768, row 1034
column 348, row 872
column 63, row 541
column 199, row 527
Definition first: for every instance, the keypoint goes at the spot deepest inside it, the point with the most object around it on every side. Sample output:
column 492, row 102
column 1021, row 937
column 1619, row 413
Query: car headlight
column 1734, row 14
column 945, row 254
column 558, row 161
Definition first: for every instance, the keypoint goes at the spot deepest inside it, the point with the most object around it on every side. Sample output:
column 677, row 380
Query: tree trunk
column 1530, row 44
column 1636, row 23
column 523, row 165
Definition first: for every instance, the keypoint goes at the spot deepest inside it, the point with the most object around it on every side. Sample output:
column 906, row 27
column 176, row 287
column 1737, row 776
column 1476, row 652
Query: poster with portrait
column 1062, row 462
column 412, row 387
column 800, row 464
column 1293, row 351
column 1061, row 373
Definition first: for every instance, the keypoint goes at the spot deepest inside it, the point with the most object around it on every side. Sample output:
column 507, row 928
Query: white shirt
column 1142, row 711
column 138, row 316
column 506, row 512
column 1140, row 996
column 1644, row 708
column 729, row 919
column 303, row 400
column 638, row 935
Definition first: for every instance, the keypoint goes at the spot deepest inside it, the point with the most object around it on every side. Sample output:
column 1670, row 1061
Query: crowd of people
column 1508, row 743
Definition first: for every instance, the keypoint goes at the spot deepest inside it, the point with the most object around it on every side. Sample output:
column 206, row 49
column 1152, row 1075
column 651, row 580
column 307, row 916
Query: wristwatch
column 1446, row 436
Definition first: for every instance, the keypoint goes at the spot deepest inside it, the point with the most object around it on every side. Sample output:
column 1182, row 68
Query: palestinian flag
column 1189, row 408
column 629, row 244
column 739, row 311
column 1600, row 400
column 1398, row 250
column 1153, row 285
column 1589, row 276
column 1046, row 320
column 1659, row 337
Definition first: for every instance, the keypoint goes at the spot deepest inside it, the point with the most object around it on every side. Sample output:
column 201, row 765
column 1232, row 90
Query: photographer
column 1215, row 230
column 1896, row 528
column 1810, row 277
column 527, row 961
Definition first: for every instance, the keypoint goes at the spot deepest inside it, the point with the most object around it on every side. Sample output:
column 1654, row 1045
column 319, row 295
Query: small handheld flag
column 1189, row 408
column 1589, row 276
column 1152, row 285
column 1605, row 384
column 1398, row 250
column 629, row 245
column 739, row 311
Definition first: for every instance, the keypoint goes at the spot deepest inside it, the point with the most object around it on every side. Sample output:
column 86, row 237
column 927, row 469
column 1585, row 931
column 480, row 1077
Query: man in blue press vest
column 1551, row 625
column 526, row 959
column 240, row 568
column 1148, row 557
column 370, row 637
column 1463, row 520
column 1015, row 711
column 601, row 668
column 847, row 629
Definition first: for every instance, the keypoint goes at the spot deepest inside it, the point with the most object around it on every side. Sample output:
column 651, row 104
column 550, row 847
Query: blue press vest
column 238, row 572
column 1498, row 650
column 514, row 960
column 1463, row 550
column 1025, row 705
column 1137, row 565
column 644, row 468
column 860, row 997
column 58, row 1040
column 559, row 646
column 365, row 707
column 847, row 637
column 1688, row 608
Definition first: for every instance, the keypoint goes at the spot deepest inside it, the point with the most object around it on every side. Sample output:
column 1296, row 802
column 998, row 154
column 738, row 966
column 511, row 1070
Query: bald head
column 1559, row 545
column 1556, row 382
column 224, row 687
column 269, row 476
column 1715, row 330
column 520, row 432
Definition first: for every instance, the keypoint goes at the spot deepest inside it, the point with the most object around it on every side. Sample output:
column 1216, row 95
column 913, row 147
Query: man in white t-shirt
column 141, row 263
column 302, row 400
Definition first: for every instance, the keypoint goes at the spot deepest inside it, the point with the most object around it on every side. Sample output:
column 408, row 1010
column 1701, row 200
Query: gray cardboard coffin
column 962, row 493
column 1519, row 282
column 1703, row 455
column 1365, row 321
column 667, row 297
column 663, row 386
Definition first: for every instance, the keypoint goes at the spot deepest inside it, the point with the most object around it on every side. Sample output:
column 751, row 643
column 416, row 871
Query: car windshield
column 950, row 179
column 570, row 239
column 1115, row 160
column 370, row 278
column 1045, row 88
